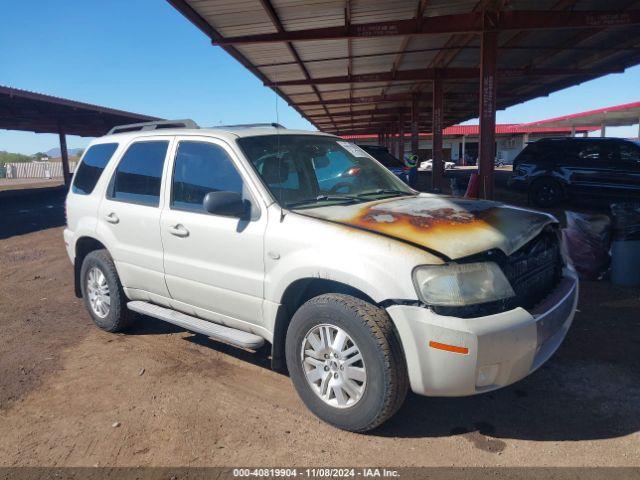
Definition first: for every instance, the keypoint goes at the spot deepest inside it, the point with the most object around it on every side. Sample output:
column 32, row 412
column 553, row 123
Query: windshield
column 304, row 171
column 383, row 156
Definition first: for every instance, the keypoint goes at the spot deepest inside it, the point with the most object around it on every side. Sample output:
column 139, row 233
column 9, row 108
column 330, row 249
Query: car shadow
column 152, row 326
column 529, row 410
column 145, row 325
column 259, row 358
column 588, row 390
column 31, row 210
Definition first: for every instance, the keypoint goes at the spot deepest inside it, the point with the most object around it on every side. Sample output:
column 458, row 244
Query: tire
column 382, row 382
column 116, row 317
column 546, row 193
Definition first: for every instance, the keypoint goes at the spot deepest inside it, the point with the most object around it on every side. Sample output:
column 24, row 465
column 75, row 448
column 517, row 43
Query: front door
column 588, row 166
column 213, row 263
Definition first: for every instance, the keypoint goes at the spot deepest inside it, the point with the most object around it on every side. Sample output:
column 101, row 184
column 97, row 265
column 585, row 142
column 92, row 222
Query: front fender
column 368, row 276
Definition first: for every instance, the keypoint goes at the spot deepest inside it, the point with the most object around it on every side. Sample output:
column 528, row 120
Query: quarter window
column 139, row 174
column 93, row 163
column 540, row 152
column 201, row 168
column 630, row 155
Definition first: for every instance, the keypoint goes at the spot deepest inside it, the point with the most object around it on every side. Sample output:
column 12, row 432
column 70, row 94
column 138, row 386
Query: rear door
column 129, row 217
column 214, row 264
column 588, row 167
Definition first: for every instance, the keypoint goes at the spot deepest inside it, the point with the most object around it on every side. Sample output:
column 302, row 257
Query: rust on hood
column 454, row 227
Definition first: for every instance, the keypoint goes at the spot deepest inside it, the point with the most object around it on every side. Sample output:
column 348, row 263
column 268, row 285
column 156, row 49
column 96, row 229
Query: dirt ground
column 25, row 183
column 179, row 399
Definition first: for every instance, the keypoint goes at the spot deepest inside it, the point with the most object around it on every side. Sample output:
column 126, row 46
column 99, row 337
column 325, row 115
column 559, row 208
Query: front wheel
column 345, row 362
column 546, row 192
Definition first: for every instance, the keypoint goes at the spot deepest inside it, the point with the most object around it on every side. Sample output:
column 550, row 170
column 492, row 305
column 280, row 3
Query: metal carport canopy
column 379, row 66
column 36, row 112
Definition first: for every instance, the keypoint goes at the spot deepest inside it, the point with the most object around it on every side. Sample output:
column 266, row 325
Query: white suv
column 362, row 286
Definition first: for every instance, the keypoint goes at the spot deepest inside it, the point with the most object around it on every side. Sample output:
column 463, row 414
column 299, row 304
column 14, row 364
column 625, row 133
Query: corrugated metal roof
column 337, row 38
column 501, row 129
column 37, row 112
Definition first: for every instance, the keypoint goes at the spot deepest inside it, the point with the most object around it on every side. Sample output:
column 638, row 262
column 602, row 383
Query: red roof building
column 460, row 143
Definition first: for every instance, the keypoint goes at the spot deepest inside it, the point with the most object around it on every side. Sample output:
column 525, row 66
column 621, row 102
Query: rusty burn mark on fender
column 452, row 226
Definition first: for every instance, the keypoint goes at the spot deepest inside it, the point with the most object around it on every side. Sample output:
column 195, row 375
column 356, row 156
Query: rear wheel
column 546, row 192
column 102, row 292
column 345, row 361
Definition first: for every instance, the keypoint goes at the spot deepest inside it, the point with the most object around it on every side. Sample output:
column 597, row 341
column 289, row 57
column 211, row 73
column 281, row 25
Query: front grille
column 533, row 272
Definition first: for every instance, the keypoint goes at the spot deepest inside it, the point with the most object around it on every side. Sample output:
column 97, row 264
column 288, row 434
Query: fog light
column 487, row 375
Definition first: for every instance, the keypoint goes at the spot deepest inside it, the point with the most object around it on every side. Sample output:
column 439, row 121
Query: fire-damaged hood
column 453, row 227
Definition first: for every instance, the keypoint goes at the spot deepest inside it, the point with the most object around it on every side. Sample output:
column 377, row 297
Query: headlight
column 461, row 284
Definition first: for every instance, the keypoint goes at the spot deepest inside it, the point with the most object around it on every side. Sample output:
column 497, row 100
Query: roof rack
column 251, row 125
column 155, row 125
column 567, row 137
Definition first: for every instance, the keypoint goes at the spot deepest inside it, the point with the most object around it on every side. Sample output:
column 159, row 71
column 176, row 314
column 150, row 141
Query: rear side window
column 540, row 152
column 139, row 174
column 629, row 155
column 384, row 157
column 201, row 168
column 93, row 163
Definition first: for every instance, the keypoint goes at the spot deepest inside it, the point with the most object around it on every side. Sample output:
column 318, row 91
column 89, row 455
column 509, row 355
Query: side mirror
column 227, row 204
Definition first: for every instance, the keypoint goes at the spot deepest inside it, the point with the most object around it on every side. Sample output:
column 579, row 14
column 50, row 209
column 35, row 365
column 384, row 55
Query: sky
column 145, row 57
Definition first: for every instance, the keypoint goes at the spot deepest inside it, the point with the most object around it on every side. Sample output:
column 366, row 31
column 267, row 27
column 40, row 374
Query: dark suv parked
column 553, row 169
column 383, row 155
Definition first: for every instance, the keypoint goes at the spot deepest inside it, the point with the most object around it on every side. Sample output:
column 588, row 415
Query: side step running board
column 235, row 337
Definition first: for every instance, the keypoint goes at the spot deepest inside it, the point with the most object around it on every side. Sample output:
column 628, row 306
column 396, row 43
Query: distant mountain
column 55, row 152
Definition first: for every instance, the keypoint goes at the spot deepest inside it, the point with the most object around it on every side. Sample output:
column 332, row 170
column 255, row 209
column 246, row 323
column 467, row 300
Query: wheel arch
column 560, row 181
column 549, row 176
column 84, row 246
column 294, row 296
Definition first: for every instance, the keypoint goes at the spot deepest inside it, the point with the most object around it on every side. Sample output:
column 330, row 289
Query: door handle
column 112, row 218
column 178, row 230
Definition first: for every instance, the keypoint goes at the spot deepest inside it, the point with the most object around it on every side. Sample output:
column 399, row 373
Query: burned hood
column 453, row 227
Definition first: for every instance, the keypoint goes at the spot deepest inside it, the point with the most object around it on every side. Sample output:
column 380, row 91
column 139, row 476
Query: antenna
column 275, row 92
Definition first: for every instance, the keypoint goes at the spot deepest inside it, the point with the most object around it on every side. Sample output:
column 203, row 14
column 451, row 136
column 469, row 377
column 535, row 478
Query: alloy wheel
column 98, row 292
column 333, row 366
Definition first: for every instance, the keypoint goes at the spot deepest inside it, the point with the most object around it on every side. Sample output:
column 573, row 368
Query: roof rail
column 553, row 139
column 155, row 125
column 251, row 125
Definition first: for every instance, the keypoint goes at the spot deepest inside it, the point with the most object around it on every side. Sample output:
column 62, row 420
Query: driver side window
column 201, row 168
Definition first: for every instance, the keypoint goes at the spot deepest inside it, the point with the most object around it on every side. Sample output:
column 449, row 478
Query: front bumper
column 501, row 348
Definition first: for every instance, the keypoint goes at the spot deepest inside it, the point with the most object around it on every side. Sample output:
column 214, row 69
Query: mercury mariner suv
column 363, row 287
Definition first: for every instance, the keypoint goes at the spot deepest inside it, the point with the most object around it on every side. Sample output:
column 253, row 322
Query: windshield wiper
column 385, row 191
column 326, row 198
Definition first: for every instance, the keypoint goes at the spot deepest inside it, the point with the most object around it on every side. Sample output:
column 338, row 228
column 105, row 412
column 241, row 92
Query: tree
column 7, row 157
